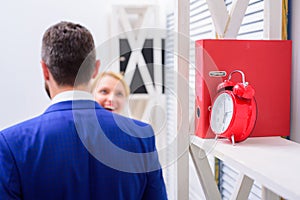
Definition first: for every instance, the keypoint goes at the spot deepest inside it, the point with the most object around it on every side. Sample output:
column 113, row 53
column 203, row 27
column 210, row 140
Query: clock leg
column 232, row 140
column 216, row 138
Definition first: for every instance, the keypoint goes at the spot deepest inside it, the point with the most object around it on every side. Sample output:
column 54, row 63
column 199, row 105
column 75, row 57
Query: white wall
column 295, row 103
column 22, row 26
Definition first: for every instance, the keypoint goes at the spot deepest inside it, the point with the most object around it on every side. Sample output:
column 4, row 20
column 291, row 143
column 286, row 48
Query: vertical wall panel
column 201, row 27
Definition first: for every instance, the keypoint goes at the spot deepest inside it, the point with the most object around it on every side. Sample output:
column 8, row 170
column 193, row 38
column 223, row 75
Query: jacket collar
column 72, row 95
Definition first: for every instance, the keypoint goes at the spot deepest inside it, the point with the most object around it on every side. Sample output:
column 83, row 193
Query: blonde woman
column 111, row 91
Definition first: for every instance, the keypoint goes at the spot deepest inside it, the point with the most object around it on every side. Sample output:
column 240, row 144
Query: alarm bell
column 243, row 90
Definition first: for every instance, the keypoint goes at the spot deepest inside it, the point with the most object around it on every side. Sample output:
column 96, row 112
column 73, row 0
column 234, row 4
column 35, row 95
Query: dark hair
column 68, row 50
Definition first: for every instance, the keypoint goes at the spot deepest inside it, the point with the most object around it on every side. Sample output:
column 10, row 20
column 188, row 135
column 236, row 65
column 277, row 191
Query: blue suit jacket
column 78, row 150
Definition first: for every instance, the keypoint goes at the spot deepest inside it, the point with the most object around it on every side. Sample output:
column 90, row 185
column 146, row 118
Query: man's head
column 68, row 52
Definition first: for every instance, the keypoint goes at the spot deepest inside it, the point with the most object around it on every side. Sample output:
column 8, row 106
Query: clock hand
column 224, row 118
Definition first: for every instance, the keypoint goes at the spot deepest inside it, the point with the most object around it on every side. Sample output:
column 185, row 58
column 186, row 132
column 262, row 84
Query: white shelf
column 272, row 161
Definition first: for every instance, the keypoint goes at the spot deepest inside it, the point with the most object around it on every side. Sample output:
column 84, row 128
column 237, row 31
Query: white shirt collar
column 72, row 95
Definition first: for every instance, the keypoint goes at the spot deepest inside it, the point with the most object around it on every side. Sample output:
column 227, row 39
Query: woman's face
column 110, row 94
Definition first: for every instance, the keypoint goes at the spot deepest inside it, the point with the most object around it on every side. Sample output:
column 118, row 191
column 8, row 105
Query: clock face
column 221, row 113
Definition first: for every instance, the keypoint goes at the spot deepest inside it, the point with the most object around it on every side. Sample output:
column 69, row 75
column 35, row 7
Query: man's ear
column 45, row 70
column 97, row 66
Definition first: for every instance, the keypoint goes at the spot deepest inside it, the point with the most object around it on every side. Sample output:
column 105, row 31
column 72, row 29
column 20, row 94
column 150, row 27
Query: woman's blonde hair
column 115, row 75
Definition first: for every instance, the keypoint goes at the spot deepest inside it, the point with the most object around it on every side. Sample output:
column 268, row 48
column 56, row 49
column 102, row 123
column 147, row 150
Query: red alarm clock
column 234, row 110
